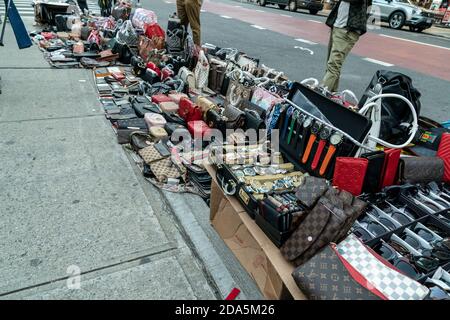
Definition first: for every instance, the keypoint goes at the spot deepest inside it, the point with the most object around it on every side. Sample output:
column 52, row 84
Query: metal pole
column 4, row 22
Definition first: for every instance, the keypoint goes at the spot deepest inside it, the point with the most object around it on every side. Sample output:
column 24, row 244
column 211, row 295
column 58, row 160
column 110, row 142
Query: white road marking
column 258, row 27
column 168, row 2
column 417, row 42
column 315, row 21
column 259, row 10
column 286, row 15
column 237, row 6
column 385, row 64
column 304, row 49
column 202, row 10
column 305, row 41
column 226, row 17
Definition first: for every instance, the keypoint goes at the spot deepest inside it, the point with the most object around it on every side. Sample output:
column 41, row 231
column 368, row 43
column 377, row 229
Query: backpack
column 395, row 113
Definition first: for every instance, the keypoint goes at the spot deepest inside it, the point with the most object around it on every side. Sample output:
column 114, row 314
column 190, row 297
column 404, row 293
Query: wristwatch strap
column 291, row 128
column 311, row 140
column 318, row 154
column 303, row 140
column 289, row 113
column 326, row 160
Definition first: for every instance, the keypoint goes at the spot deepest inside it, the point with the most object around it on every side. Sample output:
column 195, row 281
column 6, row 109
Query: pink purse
column 169, row 106
column 154, row 120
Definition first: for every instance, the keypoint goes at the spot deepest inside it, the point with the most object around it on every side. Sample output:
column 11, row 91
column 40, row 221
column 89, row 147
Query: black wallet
column 373, row 180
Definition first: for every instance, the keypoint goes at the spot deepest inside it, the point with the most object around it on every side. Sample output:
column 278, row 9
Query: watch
column 335, row 140
column 289, row 112
column 306, row 125
column 325, row 133
column 298, row 126
column 312, row 138
column 291, row 127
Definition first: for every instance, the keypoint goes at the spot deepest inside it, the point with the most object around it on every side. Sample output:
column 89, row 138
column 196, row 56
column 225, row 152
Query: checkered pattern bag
column 150, row 154
column 164, row 170
column 391, row 283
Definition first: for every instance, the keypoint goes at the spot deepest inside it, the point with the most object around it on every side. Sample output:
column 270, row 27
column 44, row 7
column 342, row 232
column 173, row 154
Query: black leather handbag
column 394, row 111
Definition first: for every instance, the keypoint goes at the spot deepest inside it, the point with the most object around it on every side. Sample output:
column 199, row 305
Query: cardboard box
column 257, row 254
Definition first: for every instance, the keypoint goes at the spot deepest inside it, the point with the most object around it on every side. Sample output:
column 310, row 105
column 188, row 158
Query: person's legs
column 342, row 43
column 192, row 8
column 181, row 12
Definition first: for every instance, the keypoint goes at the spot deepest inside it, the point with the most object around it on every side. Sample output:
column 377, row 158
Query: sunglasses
column 403, row 215
column 362, row 233
column 384, row 220
column 390, row 254
column 437, row 293
column 425, row 234
column 372, row 225
column 424, row 264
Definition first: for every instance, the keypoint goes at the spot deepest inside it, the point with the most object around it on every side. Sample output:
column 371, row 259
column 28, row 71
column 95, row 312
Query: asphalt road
column 270, row 34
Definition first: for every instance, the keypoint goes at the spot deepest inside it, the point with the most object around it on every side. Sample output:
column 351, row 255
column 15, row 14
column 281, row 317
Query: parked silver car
column 399, row 13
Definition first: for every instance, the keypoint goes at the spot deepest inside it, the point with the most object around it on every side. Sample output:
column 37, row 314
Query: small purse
column 158, row 133
column 421, row 169
column 265, row 99
column 176, row 97
column 164, row 170
column 189, row 111
column 150, row 154
column 158, row 98
column 168, row 106
column 310, row 190
column 140, row 140
column 154, row 120
column 349, row 174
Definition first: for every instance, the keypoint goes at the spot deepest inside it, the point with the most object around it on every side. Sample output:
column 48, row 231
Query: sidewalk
column 70, row 199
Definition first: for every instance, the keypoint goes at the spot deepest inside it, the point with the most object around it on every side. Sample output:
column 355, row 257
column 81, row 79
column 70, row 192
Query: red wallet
column 444, row 153
column 391, row 162
column 158, row 98
column 197, row 128
column 349, row 174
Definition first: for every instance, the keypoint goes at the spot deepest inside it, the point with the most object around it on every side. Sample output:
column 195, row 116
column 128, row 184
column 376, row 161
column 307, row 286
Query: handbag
column 328, row 276
column 235, row 118
column 197, row 128
column 189, row 111
column 175, row 35
column 216, row 77
column 177, row 96
column 421, row 169
column 329, row 221
column 140, row 140
column 254, row 121
column 265, row 99
column 142, row 17
column 205, row 104
column 201, row 71
column 237, row 93
column 444, row 153
column 394, row 112
column 187, row 76
column 127, row 35
column 145, row 46
column 349, row 174
column 379, row 274
column 121, row 11
column 214, row 120
column 168, row 106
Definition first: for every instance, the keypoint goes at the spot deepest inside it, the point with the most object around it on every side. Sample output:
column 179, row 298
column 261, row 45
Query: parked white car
column 399, row 13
